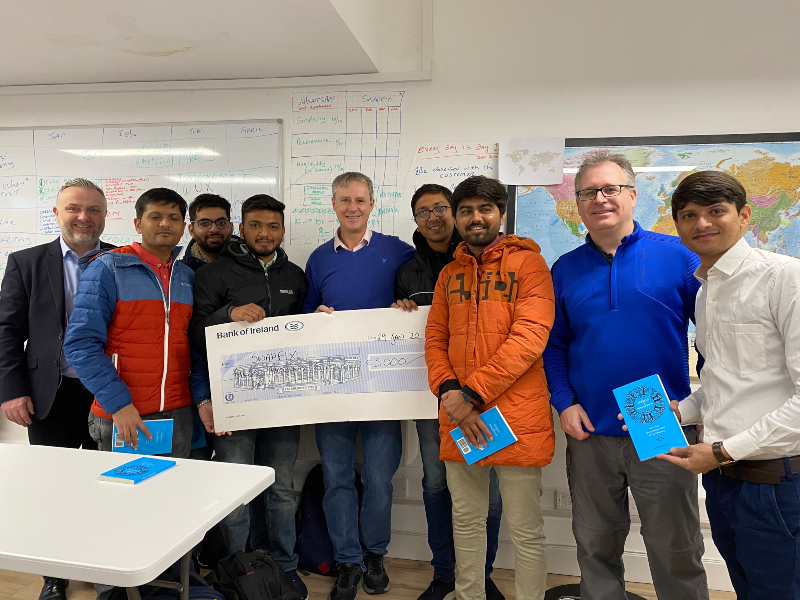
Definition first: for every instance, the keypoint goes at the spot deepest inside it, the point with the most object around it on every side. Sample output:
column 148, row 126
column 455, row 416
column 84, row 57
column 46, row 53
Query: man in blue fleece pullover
column 623, row 305
column 356, row 270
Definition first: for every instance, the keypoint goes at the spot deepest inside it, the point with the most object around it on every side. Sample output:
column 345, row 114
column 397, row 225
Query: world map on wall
column 537, row 160
column 769, row 172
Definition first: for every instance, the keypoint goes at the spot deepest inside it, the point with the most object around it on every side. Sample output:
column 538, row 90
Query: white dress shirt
column 748, row 331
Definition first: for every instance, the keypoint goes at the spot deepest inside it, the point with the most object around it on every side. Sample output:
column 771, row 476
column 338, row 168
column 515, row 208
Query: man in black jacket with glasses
column 252, row 280
column 436, row 239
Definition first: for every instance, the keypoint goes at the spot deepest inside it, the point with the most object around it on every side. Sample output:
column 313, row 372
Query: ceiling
column 106, row 41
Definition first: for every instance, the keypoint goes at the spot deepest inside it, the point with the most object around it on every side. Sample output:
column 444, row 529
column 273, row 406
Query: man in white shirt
column 748, row 331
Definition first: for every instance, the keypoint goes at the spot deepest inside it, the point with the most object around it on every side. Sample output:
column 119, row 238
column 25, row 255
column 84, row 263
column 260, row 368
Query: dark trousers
column 600, row 470
column 756, row 528
column 66, row 424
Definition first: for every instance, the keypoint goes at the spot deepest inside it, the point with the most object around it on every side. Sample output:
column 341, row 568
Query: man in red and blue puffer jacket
column 127, row 336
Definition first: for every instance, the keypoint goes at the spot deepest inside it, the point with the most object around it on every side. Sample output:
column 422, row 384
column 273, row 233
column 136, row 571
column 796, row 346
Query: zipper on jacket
column 167, row 303
column 613, row 282
column 269, row 294
column 612, row 261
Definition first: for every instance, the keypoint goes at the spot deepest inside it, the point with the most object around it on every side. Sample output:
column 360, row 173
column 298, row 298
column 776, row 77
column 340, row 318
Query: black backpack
column 251, row 576
column 314, row 547
column 198, row 587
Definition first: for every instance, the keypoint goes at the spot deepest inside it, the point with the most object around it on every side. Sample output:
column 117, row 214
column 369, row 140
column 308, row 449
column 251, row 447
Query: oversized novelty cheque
column 359, row 365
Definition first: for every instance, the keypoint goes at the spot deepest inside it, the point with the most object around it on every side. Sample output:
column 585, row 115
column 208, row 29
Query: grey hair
column 82, row 183
column 599, row 157
column 345, row 179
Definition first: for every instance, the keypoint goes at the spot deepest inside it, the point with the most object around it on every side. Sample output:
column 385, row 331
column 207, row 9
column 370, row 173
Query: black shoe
column 346, row 586
column 439, row 589
column 492, row 593
column 376, row 581
column 54, row 589
column 298, row 584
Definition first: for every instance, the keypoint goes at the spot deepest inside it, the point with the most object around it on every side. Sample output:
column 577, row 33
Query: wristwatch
column 716, row 448
column 469, row 400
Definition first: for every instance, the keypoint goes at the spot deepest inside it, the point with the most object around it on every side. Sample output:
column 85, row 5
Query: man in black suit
column 38, row 388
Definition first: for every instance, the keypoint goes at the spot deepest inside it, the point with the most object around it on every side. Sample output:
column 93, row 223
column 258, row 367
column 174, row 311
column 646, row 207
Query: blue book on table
column 501, row 432
column 137, row 470
column 160, row 429
column 653, row 426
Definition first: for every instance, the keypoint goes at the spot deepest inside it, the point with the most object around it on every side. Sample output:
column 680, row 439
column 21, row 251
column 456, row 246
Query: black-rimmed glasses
column 608, row 191
column 424, row 215
column 206, row 223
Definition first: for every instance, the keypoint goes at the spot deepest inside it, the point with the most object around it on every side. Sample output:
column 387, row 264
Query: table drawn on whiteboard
column 338, row 131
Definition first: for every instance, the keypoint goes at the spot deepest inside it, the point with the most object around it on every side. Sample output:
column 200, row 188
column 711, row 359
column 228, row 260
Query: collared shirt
column 608, row 256
column 337, row 241
column 748, row 331
column 161, row 268
column 265, row 266
column 72, row 276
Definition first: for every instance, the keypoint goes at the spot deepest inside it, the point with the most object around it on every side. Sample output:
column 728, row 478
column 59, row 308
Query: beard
column 260, row 252
column 211, row 247
column 85, row 238
column 483, row 238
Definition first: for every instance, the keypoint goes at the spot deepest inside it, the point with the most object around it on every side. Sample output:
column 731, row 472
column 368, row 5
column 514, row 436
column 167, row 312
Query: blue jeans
column 755, row 527
column 439, row 507
column 382, row 445
column 277, row 448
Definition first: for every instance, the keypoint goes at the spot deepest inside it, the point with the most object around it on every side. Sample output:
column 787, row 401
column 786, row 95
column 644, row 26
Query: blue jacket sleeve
column 690, row 296
column 313, row 296
column 692, row 285
column 85, row 343
column 555, row 354
column 199, row 383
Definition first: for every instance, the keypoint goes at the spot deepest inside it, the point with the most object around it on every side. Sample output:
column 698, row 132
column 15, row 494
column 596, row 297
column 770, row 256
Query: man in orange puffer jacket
column 492, row 311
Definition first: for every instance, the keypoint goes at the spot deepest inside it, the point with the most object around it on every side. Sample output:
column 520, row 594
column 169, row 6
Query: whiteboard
column 234, row 159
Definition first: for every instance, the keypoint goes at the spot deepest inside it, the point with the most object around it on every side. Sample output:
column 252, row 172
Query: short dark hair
column 480, row 187
column 706, row 188
column 208, row 201
column 430, row 188
column 262, row 202
column 160, row 196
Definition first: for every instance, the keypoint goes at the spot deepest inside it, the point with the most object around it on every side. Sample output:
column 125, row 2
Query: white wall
column 508, row 69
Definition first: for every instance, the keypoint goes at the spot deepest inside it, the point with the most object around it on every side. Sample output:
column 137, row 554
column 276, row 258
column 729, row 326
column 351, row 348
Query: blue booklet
column 501, row 432
column 653, row 426
column 137, row 470
column 160, row 429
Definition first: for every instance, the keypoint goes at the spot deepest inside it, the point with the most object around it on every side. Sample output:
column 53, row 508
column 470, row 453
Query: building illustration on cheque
column 330, row 370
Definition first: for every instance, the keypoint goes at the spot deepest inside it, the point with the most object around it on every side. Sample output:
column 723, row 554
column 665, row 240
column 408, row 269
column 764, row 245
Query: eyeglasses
column 424, row 215
column 608, row 191
column 206, row 223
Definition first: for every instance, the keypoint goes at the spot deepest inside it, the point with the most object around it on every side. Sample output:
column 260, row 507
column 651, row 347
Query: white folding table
column 60, row 520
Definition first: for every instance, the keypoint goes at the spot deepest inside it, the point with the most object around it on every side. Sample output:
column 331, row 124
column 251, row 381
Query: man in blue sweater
column 623, row 305
column 356, row 270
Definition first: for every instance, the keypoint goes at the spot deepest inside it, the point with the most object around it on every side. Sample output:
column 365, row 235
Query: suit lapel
column 55, row 269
